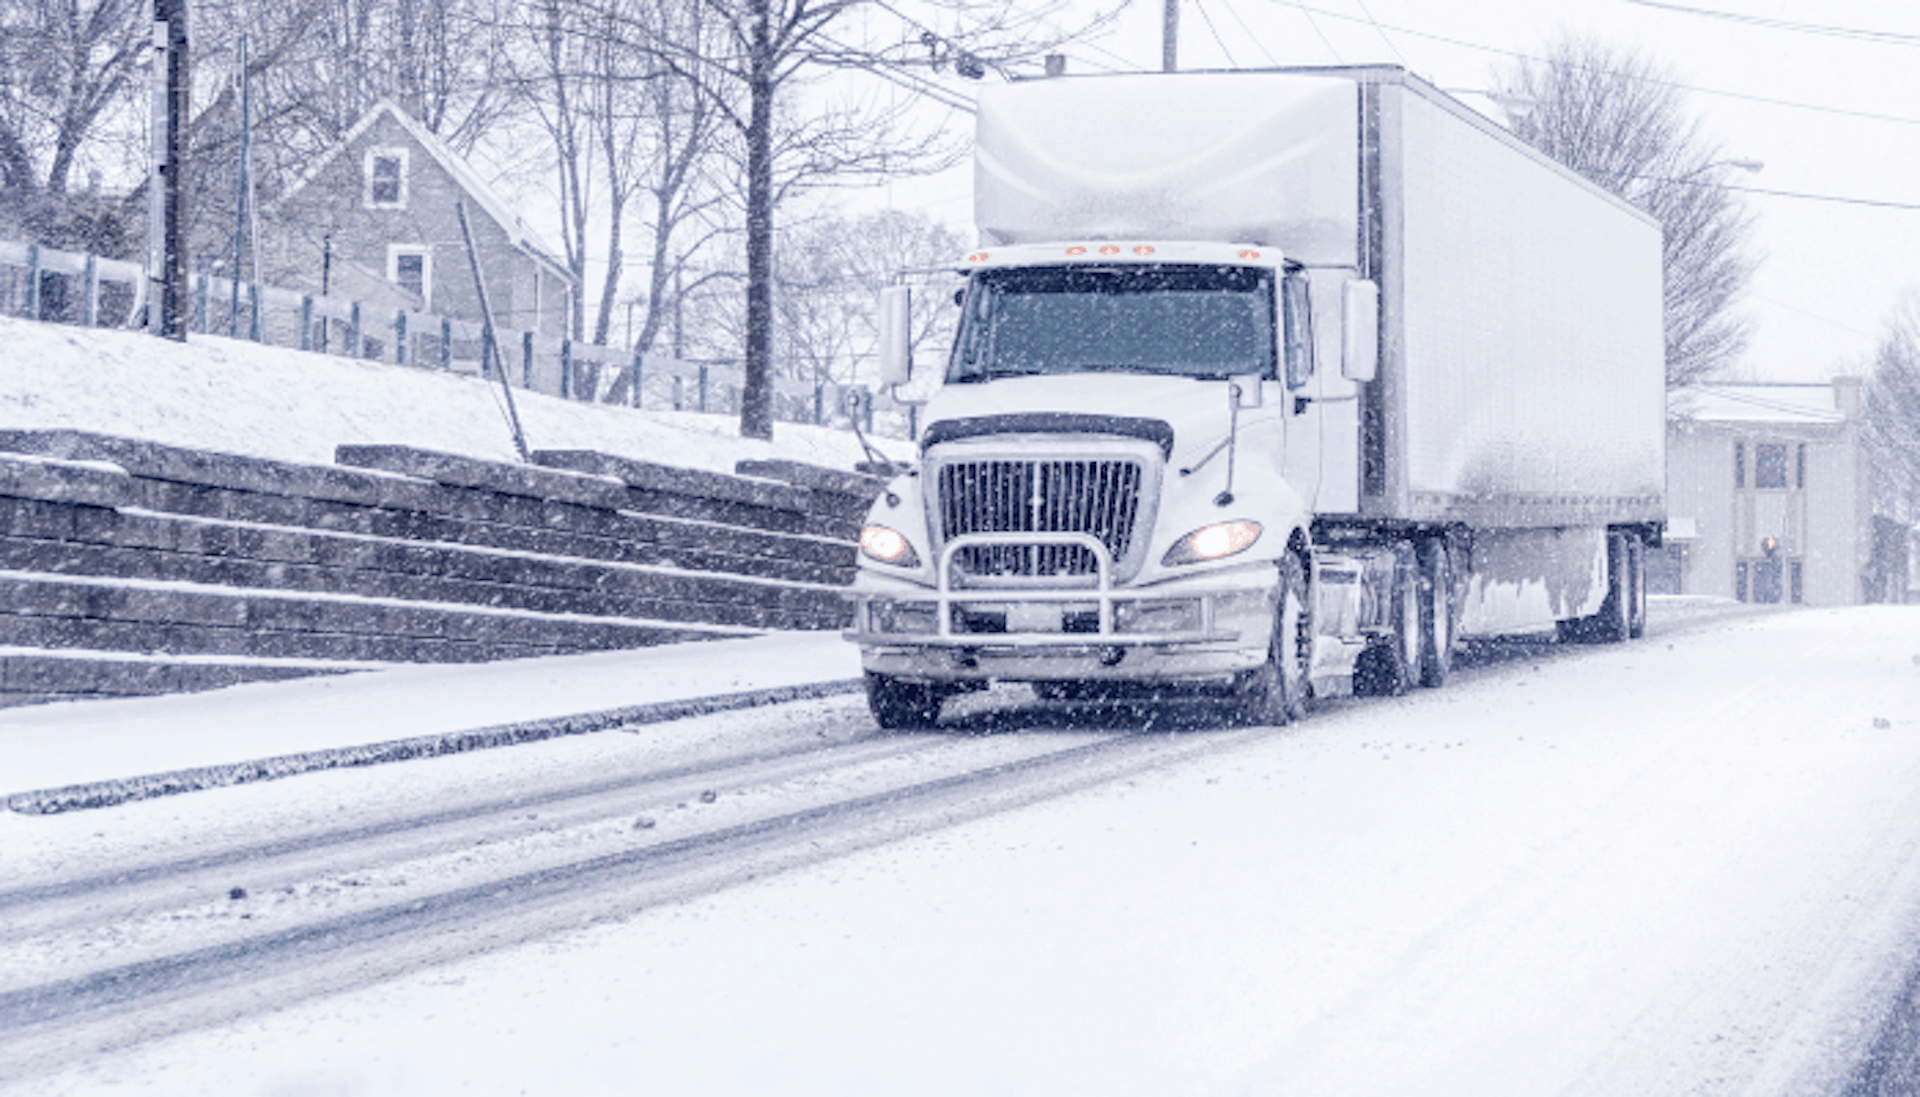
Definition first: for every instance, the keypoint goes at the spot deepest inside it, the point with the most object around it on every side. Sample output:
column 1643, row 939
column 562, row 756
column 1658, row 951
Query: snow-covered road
column 1685, row 865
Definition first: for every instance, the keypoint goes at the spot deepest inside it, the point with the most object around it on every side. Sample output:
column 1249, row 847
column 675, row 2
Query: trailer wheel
column 1626, row 590
column 1436, row 614
column 1637, row 577
column 1276, row 692
column 1390, row 666
column 903, row 706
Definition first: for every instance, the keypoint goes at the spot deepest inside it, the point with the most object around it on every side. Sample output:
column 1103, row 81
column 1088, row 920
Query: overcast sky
column 1832, row 112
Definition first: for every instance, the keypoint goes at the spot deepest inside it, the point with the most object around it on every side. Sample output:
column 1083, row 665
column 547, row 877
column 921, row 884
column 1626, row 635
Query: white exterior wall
column 1825, row 525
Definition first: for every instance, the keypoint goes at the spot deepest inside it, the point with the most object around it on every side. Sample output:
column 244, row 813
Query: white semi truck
column 1271, row 384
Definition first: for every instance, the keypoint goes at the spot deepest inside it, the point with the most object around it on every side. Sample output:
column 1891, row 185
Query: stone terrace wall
column 130, row 567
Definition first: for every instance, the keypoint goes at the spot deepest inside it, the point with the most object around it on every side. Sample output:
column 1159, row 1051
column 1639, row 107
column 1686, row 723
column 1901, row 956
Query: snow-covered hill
column 261, row 401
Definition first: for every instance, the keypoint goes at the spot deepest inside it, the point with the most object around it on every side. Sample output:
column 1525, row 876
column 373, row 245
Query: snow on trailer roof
column 1806, row 404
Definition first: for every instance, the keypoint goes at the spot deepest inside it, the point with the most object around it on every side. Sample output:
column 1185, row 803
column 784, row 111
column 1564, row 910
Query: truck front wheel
column 1392, row 664
column 903, row 706
column 1276, row 692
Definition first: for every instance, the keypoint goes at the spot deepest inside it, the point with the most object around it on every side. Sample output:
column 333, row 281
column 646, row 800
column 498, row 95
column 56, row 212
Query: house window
column 1796, row 582
column 1769, row 465
column 386, row 171
column 1740, row 581
column 410, row 266
column 1800, row 467
column 1739, row 464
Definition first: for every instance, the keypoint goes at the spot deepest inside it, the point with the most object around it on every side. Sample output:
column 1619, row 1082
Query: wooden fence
column 46, row 284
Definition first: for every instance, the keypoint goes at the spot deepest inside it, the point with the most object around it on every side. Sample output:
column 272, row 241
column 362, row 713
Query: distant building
column 1770, row 498
column 374, row 220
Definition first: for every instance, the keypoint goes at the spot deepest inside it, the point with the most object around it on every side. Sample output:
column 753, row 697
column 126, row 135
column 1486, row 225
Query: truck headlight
column 1214, row 542
column 889, row 546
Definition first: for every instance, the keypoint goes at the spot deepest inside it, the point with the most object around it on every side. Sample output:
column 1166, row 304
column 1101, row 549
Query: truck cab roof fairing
column 1206, row 156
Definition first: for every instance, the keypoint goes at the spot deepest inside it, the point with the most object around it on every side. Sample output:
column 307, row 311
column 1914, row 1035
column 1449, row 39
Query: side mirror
column 896, row 353
column 1360, row 331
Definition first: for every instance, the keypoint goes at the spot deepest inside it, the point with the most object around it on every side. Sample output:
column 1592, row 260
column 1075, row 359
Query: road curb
column 100, row 794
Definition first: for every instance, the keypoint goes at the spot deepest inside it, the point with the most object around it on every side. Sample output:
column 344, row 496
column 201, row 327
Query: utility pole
column 1170, row 36
column 157, row 157
column 170, row 171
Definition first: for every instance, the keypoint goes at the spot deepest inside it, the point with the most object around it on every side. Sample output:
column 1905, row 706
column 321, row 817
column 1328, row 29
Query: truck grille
column 1101, row 498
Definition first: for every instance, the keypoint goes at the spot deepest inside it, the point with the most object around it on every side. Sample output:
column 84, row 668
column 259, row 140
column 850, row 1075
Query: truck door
column 1323, row 425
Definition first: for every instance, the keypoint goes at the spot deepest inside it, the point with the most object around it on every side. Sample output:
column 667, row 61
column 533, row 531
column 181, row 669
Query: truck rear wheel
column 1390, row 666
column 1276, row 692
column 1436, row 614
column 903, row 706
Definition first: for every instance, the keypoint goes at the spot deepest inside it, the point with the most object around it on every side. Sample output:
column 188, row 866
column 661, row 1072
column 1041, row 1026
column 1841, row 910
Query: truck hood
column 1196, row 410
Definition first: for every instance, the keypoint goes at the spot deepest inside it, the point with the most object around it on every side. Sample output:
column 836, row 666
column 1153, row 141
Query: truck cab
column 1104, row 491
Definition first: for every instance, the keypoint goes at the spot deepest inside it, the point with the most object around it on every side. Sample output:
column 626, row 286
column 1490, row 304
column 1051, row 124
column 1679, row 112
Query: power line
column 1217, row 40
column 1322, row 35
column 1252, row 37
column 1126, row 65
column 1382, row 33
column 1885, row 37
column 1768, row 100
column 886, row 71
column 1842, row 199
column 1809, row 315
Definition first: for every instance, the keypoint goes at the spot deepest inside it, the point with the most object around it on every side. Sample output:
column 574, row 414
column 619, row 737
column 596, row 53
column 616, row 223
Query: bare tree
column 686, row 211
column 1893, row 413
column 1618, row 119
column 768, row 48
column 828, row 274
column 439, row 59
column 65, row 68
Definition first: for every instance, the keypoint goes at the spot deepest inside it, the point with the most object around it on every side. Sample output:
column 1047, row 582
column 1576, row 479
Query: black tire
column 903, row 706
column 1392, row 664
column 1637, row 585
column 1436, row 614
column 1614, row 622
column 1276, row 692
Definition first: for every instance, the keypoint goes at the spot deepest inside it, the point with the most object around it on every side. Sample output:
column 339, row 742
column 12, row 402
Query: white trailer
column 1273, row 383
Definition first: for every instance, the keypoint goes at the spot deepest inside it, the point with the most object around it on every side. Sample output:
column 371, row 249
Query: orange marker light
column 1249, row 254
column 1143, row 250
column 977, row 257
column 1109, row 249
column 1076, row 250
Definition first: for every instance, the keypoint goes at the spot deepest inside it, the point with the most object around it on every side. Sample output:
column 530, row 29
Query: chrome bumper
column 1212, row 625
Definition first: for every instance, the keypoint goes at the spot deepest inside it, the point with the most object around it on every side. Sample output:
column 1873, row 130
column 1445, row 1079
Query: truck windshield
column 1184, row 321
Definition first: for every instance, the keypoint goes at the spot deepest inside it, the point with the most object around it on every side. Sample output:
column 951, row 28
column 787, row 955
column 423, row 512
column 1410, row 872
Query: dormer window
column 386, row 174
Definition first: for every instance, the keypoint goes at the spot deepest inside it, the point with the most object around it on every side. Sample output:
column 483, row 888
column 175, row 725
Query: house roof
column 1805, row 405
column 470, row 180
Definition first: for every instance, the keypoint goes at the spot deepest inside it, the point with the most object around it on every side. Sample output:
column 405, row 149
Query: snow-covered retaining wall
column 134, row 567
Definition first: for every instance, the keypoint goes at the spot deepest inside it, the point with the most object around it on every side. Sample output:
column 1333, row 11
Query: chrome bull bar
column 946, row 595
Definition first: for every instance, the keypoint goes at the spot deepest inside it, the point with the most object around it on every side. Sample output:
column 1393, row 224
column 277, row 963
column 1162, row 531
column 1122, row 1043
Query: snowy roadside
column 1685, row 865
column 79, row 743
column 271, row 402
column 304, row 724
